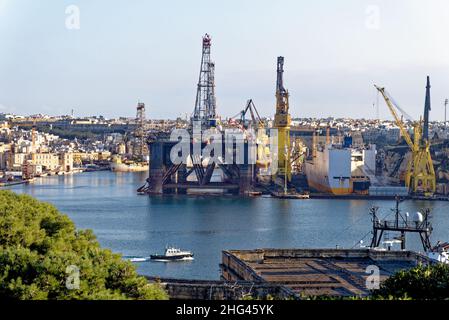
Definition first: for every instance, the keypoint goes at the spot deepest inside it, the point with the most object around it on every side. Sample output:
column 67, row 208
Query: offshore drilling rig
column 195, row 173
column 282, row 122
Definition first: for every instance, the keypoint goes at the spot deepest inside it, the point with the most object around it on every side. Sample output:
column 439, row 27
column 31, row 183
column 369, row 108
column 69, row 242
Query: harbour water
column 136, row 225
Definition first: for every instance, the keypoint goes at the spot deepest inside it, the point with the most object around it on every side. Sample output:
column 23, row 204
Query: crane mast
column 425, row 135
column 282, row 122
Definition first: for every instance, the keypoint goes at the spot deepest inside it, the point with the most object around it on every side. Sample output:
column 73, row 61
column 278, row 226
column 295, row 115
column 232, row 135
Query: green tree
column 41, row 252
column 421, row 283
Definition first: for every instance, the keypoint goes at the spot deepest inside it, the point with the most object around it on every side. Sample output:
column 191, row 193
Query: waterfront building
column 15, row 160
column 48, row 161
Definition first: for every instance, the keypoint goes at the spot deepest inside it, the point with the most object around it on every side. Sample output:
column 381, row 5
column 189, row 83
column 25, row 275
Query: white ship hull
column 334, row 170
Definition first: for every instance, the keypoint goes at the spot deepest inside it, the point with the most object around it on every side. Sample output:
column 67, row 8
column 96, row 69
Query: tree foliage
column 37, row 246
column 421, row 283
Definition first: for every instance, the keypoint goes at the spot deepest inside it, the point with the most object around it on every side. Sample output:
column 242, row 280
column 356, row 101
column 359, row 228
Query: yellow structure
column 48, row 161
column 282, row 122
column 263, row 158
column 80, row 157
column 420, row 175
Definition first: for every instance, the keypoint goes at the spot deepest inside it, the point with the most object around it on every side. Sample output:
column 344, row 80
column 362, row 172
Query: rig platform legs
column 166, row 177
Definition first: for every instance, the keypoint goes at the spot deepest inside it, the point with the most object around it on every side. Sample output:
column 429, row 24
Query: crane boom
column 397, row 119
column 255, row 117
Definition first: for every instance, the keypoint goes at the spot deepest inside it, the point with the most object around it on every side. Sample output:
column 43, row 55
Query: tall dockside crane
column 282, row 122
column 420, row 175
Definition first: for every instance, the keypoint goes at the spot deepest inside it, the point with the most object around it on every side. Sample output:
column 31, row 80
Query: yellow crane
column 420, row 174
column 282, row 122
column 258, row 125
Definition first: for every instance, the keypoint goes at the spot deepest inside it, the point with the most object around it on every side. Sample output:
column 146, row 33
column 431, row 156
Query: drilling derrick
column 205, row 104
column 282, row 122
column 141, row 150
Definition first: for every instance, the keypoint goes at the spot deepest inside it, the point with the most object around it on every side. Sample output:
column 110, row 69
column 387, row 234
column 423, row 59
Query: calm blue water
column 140, row 225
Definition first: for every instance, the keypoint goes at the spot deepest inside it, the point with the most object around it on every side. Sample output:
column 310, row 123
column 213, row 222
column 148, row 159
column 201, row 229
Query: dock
column 297, row 196
column 15, row 183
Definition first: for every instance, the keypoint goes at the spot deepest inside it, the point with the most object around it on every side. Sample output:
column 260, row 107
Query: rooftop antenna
column 401, row 224
column 446, row 102
column 377, row 107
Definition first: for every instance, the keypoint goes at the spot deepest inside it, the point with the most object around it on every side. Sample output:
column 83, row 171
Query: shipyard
column 274, row 159
column 250, row 156
column 279, row 156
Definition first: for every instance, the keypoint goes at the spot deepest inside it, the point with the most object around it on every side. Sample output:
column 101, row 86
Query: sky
column 122, row 52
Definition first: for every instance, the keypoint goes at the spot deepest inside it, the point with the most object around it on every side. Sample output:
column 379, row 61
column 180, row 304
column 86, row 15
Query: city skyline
column 150, row 52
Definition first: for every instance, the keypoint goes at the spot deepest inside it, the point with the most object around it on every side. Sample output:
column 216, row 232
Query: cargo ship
column 341, row 169
column 119, row 165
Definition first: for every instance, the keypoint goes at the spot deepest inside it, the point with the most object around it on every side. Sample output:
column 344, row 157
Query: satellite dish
column 418, row 217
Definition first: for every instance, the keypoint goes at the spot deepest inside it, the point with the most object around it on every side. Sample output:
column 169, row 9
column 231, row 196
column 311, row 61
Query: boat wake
column 173, row 260
column 136, row 259
column 148, row 259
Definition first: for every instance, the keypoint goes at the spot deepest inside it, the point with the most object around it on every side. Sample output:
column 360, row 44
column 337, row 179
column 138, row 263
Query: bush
column 41, row 250
column 421, row 283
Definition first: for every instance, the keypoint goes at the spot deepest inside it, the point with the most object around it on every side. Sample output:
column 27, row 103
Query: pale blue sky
column 133, row 50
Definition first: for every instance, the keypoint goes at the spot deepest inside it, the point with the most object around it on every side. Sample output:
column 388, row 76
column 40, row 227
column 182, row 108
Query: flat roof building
column 317, row 272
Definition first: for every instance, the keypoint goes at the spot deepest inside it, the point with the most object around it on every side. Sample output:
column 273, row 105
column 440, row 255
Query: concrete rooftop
column 315, row 272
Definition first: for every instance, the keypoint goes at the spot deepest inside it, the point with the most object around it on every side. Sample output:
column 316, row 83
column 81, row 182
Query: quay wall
column 182, row 289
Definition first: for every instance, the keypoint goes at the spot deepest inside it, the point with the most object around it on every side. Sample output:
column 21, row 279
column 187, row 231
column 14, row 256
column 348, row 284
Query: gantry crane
column 282, row 122
column 420, row 175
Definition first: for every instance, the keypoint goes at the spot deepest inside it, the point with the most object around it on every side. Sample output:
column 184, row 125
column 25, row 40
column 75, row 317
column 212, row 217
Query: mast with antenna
column 446, row 102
